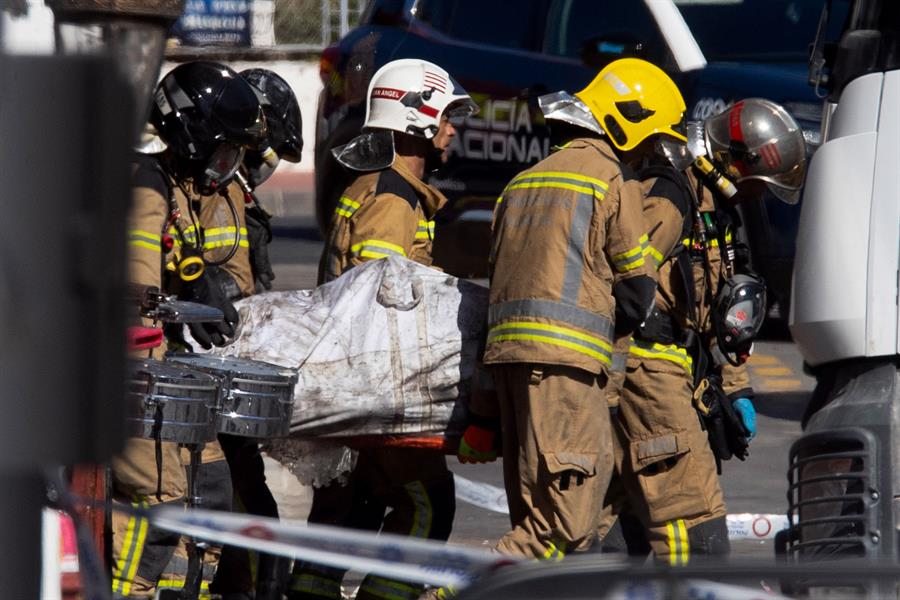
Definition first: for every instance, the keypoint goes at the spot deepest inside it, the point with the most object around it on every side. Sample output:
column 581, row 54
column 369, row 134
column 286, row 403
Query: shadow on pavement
column 782, row 405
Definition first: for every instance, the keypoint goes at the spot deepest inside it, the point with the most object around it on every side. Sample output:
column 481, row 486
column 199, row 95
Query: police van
column 507, row 54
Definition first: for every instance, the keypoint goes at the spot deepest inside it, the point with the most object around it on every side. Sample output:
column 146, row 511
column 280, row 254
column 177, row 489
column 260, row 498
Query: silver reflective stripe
column 550, row 309
column 581, row 222
column 619, row 361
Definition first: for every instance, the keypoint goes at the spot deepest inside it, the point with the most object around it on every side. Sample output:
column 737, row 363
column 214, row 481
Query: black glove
column 259, row 234
column 209, row 289
column 726, row 431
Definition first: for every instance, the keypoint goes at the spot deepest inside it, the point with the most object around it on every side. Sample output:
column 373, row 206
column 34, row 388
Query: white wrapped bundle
column 389, row 348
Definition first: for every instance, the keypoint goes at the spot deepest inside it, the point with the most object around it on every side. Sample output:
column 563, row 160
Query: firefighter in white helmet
column 389, row 210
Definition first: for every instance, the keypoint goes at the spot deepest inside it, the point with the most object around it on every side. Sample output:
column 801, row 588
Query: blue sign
column 214, row 23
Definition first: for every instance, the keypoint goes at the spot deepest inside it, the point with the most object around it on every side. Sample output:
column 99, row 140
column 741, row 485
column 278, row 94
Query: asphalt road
column 757, row 485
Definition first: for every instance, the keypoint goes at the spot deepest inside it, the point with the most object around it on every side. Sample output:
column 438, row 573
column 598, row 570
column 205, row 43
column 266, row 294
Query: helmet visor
column 219, row 169
column 460, row 110
column 563, row 106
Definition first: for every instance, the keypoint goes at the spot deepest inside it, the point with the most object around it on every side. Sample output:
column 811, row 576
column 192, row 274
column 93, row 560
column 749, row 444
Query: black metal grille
column 832, row 493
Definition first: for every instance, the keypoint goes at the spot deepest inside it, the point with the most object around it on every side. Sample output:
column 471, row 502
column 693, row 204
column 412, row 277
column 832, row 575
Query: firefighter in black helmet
column 203, row 116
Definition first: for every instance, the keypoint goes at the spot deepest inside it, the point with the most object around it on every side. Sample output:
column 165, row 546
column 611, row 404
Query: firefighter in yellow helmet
column 568, row 272
column 389, row 210
column 687, row 357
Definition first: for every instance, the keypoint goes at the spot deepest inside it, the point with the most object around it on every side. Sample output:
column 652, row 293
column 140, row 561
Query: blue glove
column 745, row 410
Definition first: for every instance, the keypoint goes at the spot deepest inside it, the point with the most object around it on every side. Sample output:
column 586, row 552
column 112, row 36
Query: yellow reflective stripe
column 562, row 175
column 673, row 543
column 389, row 589
column 555, row 329
column 553, row 553
column 425, row 230
column 669, row 352
column 424, row 514
column 138, row 551
column 177, row 584
column 216, row 231
column 655, row 254
column 147, row 245
column 588, row 345
column 316, row 584
column 225, row 243
column 553, row 184
column 373, row 247
column 685, row 548
column 144, row 235
column 448, row 591
column 145, row 239
column 346, row 207
column 633, row 258
column 559, row 179
column 117, row 581
column 713, row 243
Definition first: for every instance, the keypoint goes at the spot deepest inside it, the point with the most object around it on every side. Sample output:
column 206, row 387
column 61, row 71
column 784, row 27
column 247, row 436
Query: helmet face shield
column 758, row 139
column 219, row 170
column 563, row 106
column 675, row 151
column 258, row 165
column 369, row 151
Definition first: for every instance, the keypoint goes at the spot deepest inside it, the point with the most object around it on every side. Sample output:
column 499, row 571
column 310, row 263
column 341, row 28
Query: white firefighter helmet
column 411, row 95
column 758, row 139
column 408, row 96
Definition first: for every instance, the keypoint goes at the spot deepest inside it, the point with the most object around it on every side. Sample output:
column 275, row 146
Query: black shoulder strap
column 149, row 174
column 391, row 182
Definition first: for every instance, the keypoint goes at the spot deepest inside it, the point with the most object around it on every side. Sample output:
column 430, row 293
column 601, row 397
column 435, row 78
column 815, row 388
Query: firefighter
column 202, row 116
column 251, row 268
column 688, row 356
column 567, row 272
column 387, row 211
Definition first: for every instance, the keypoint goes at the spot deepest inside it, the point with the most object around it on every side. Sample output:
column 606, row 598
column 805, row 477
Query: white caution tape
column 748, row 526
column 409, row 559
column 424, row 561
column 482, row 495
column 689, row 588
column 742, row 526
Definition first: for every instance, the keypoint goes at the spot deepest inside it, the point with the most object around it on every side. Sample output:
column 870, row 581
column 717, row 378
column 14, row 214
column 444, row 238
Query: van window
column 494, row 22
column 572, row 22
column 753, row 30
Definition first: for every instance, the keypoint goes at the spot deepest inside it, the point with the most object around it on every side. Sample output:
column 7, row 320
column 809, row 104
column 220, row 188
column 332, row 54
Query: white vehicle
column 844, row 471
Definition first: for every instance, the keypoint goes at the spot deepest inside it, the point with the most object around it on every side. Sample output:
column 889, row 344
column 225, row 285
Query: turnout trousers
column 557, row 457
column 418, row 489
column 665, row 472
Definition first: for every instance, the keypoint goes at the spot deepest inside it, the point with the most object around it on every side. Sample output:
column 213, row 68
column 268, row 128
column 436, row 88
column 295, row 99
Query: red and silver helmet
column 758, row 139
column 411, row 96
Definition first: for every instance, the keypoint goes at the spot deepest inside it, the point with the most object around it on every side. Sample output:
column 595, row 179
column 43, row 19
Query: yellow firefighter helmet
column 633, row 99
